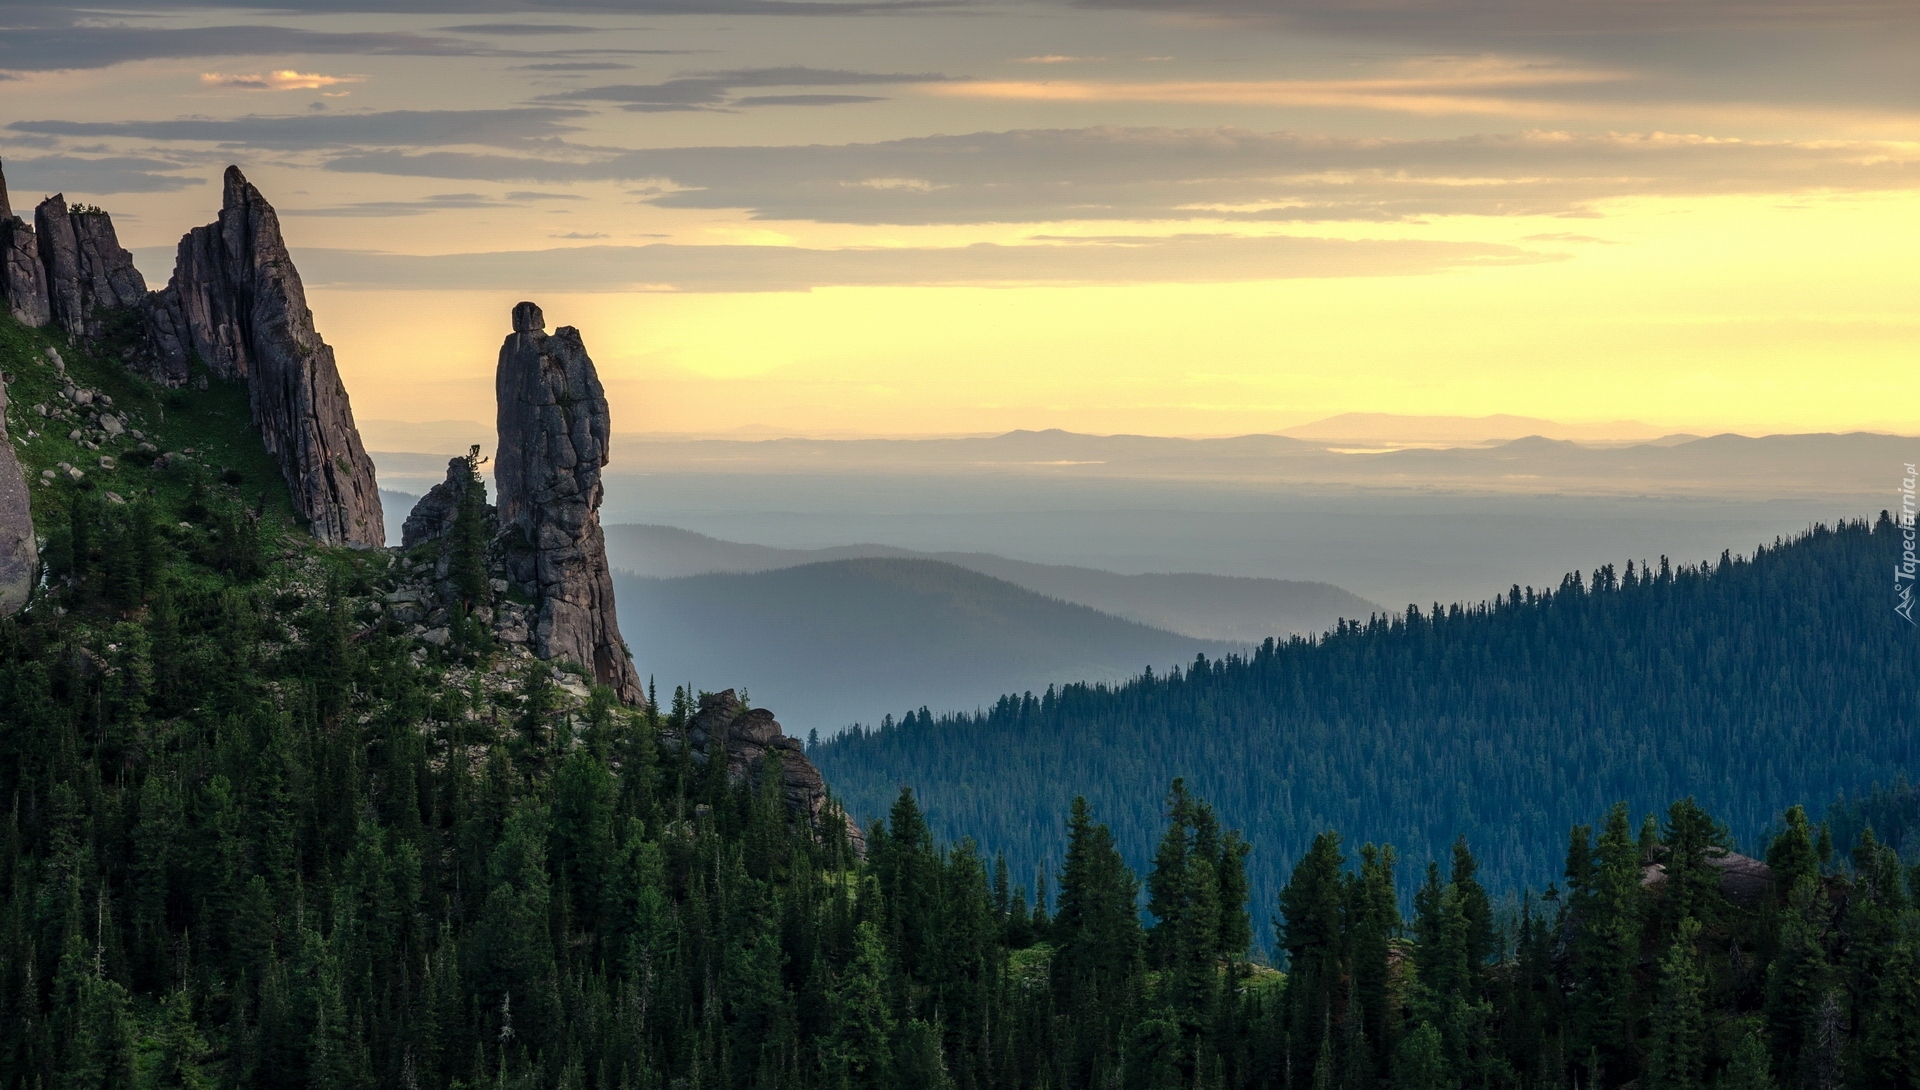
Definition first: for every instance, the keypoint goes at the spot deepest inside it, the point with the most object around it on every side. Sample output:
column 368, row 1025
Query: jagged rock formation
column 22, row 282
column 723, row 727
column 554, row 427
column 88, row 273
column 433, row 515
column 17, row 551
column 236, row 302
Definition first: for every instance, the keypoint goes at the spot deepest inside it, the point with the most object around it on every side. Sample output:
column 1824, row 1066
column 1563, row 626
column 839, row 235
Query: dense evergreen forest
column 1752, row 683
column 256, row 836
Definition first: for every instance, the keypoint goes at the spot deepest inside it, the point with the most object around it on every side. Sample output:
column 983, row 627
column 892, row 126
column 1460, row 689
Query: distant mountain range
column 1211, row 607
column 1772, row 466
column 1395, row 429
column 832, row 643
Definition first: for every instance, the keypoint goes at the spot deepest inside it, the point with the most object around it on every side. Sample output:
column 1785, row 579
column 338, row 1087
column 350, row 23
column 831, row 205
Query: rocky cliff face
column 17, row 551
column 23, row 285
column 553, row 432
column 237, row 302
column 88, row 273
column 725, row 729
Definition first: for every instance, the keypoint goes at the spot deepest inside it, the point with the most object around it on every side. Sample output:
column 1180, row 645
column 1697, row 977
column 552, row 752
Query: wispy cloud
column 1465, row 86
column 48, row 48
column 395, row 128
column 707, row 91
column 1053, row 175
column 100, row 174
column 285, row 79
column 677, row 268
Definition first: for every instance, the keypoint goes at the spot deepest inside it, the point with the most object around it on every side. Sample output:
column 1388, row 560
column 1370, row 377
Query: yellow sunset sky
column 1182, row 220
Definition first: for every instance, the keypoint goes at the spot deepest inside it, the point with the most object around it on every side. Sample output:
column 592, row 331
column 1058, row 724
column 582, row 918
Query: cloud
column 519, row 29
column 45, row 48
column 804, row 100
column 111, row 174
column 383, row 209
column 576, row 66
column 1439, row 86
column 523, row 7
column 285, row 79
column 699, row 91
column 1055, row 58
column 1515, row 18
column 539, row 195
column 396, row 128
column 667, row 267
column 1051, row 175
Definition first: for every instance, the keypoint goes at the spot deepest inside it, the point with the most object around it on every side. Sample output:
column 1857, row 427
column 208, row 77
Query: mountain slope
column 1749, row 683
column 1213, row 607
column 846, row 640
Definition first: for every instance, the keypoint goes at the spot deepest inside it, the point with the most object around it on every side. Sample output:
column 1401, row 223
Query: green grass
column 215, row 424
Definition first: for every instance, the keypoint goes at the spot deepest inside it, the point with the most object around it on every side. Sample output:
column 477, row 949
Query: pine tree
column 1677, row 1056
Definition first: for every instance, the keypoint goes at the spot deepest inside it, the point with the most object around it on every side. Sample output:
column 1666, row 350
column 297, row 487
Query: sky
column 1179, row 217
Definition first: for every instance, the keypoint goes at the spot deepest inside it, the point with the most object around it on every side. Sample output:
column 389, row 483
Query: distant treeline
column 1749, row 684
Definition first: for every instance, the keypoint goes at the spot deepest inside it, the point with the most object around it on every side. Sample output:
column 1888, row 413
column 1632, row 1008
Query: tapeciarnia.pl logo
column 1903, row 572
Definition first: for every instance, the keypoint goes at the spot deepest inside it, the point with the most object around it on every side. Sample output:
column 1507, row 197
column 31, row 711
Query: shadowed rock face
column 554, row 425
column 23, row 284
column 87, row 271
column 17, row 554
column 236, row 302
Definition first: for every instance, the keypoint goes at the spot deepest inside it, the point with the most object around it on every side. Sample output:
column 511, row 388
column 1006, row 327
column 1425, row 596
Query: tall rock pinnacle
column 88, row 272
column 554, row 427
column 236, row 301
column 23, row 283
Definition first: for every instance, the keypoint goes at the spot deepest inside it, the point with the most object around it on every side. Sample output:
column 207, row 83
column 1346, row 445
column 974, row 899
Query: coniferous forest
column 1751, row 683
column 257, row 836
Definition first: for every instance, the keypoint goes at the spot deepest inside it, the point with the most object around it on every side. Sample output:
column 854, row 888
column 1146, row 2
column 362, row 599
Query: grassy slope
column 214, row 425
column 211, row 430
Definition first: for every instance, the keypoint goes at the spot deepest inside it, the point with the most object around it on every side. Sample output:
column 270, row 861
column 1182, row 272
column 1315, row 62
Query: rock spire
column 236, row 302
column 554, row 428
column 23, row 284
column 88, row 273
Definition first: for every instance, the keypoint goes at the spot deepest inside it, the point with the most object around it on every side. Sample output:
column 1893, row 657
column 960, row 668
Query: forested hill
column 1749, row 683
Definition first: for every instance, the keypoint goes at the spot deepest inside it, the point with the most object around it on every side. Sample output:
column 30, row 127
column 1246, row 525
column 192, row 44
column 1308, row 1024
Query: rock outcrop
column 17, row 547
column 236, row 302
column 88, row 273
column 554, row 428
column 433, row 515
column 23, row 284
column 725, row 728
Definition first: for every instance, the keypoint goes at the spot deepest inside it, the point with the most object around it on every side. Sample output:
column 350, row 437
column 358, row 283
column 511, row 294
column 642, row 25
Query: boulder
column 88, row 273
column 18, row 554
column 553, row 430
column 725, row 728
column 23, row 283
column 236, row 301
